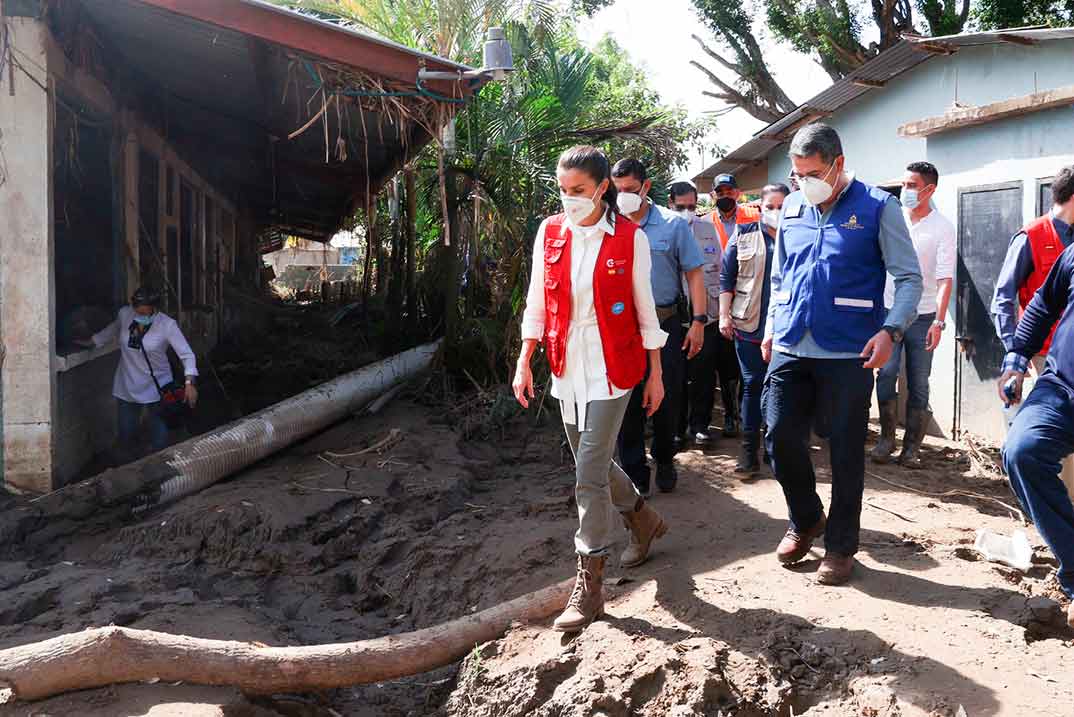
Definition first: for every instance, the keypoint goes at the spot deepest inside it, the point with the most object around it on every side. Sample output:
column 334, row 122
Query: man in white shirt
column 934, row 242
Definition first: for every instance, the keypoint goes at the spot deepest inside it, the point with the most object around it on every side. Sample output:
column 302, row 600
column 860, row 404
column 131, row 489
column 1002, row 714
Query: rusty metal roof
column 227, row 82
column 873, row 75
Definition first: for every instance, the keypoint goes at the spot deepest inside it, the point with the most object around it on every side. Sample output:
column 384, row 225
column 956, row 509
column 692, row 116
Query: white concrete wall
column 26, row 265
column 1023, row 149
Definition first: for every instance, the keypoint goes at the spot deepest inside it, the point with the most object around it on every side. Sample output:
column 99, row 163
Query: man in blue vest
column 838, row 240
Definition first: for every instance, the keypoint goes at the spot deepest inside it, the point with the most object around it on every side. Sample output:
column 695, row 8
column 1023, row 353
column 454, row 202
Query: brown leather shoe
column 645, row 526
column 795, row 545
column 835, row 569
column 586, row 603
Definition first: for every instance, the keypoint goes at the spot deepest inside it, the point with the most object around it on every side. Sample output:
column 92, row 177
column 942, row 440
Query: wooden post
column 411, row 232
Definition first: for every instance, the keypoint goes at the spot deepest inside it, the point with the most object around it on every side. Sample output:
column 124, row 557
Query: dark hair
column 817, row 138
column 594, row 163
column 778, row 187
column 1063, row 185
column 927, row 170
column 629, row 167
column 681, row 189
column 146, row 296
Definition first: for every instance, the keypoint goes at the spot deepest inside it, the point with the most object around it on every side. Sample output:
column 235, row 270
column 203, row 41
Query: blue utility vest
column 833, row 274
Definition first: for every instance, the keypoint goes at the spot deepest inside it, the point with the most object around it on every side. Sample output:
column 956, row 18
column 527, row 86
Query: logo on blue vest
column 618, row 308
column 852, row 223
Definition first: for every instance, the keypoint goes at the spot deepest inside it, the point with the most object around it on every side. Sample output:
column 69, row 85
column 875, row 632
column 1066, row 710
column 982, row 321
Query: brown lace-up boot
column 586, row 603
column 645, row 526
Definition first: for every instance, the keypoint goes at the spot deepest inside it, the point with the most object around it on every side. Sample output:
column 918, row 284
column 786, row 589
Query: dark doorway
column 85, row 261
column 1044, row 196
column 988, row 216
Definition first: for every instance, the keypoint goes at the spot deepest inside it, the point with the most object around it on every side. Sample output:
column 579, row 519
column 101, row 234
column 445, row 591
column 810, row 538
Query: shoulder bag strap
column 153, row 375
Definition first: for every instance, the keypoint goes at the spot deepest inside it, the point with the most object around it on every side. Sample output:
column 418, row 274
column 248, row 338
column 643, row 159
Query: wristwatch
column 894, row 332
column 941, row 324
column 702, row 318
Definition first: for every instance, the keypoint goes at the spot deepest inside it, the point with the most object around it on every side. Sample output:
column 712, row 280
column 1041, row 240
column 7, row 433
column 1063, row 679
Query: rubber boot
column 885, row 447
column 645, row 526
column 586, row 602
column 748, row 465
column 916, row 420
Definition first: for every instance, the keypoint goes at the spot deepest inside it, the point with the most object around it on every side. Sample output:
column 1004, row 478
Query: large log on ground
column 109, row 655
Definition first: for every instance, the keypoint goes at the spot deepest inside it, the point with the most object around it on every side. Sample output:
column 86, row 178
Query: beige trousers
column 602, row 490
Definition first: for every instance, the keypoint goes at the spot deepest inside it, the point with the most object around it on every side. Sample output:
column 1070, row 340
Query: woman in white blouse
column 144, row 334
column 590, row 303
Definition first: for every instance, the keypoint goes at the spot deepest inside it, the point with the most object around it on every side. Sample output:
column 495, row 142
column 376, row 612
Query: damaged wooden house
column 172, row 142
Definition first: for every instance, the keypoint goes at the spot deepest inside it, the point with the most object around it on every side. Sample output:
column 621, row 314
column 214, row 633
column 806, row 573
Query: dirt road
column 310, row 547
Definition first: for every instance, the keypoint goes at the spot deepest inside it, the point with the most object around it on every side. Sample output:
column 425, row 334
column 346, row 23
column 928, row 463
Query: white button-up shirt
column 585, row 375
column 133, row 382
column 934, row 243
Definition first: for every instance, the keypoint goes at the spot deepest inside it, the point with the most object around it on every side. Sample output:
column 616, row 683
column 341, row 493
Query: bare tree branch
column 737, row 69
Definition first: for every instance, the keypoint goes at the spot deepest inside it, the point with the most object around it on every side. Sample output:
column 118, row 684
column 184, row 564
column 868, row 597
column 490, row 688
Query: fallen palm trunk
column 110, row 655
column 199, row 462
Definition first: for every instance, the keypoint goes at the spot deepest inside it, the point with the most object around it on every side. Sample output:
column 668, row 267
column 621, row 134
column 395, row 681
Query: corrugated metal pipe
column 195, row 464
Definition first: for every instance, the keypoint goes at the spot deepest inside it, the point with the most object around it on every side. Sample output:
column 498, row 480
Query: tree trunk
column 450, row 277
column 411, row 232
column 395, row 277
column 370, row 244
column 110, row 655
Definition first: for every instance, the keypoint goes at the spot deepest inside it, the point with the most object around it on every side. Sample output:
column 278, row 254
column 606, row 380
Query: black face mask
column 725, row 204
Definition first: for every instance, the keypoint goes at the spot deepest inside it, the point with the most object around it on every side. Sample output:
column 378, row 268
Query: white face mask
column 687, row 215
column 628, row 202
column 770, row 217
column 578, row 208
column 816, row 190
column 910, row 199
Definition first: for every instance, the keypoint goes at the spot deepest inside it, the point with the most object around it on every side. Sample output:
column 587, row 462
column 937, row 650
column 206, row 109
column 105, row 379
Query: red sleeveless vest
column 1045, row 247
column 613, row 300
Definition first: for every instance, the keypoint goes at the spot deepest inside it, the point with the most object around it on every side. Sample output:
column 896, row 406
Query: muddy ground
column 474, row 506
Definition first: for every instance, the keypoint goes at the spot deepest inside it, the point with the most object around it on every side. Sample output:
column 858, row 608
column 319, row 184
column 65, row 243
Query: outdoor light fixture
column 498, row 61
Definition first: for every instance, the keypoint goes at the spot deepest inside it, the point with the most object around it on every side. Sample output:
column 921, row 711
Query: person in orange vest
column 590, row 302
column 1031, row 254
column 728, row 216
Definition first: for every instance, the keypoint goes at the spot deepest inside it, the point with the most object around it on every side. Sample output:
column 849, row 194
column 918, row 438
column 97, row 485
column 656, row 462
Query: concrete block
column 28, row 456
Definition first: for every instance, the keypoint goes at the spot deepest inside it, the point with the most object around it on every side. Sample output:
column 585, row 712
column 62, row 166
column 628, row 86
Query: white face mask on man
column 628, row 202
column 578, row 208
column 817, row 190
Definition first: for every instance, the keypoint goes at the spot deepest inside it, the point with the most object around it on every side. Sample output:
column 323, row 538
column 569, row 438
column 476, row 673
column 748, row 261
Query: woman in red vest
column 591, row 303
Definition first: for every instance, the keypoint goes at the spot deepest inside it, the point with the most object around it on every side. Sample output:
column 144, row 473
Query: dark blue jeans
column 1041, row 436
column 130, row 420
column 918, row 366
column 753, row 372
column 665, row 421
column 796, row 387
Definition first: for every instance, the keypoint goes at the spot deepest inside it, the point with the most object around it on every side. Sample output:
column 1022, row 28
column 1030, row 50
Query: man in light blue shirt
column 675, row 254
column 827, row 330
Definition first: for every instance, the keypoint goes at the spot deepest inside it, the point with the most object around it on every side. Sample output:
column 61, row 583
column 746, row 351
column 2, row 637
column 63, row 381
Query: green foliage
column 501, row 178
column 997, row 14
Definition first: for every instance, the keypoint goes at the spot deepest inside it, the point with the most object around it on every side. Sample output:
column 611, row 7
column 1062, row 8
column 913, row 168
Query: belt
column 663, row 313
